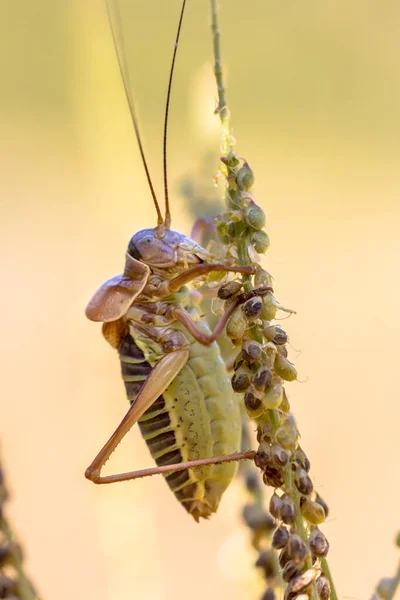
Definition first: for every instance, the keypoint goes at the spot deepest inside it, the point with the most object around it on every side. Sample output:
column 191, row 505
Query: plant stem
column 327, row 572
column 395, row 584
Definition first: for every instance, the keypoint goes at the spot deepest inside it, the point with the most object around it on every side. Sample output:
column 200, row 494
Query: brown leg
column 205, row 338
column 156, row 383
column 200, row 270
column 200, row 227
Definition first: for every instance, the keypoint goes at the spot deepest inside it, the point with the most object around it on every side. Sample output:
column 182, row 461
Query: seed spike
column 117, row 34
column 167, row 209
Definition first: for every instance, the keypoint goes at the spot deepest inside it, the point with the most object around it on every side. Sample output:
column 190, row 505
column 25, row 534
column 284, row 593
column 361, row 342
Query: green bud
column 236, row 325
column 282, row 350
column 269, row 308
column 245, row 178
column 229, row 289
column 287, row 435
column 285, row 405
column 275, row 334
column 273, row 396
column 260, row 241
column 255, row 217
column 284, row 368
column 263, row 279
column 312, row 511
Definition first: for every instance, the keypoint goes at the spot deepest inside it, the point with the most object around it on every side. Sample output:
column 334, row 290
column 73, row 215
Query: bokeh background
column 314, row 92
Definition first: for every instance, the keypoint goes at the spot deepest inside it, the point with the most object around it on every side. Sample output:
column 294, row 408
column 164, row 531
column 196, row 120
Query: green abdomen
column 197, row 417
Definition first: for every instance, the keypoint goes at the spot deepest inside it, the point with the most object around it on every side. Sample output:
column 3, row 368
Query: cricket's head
column 165, row 249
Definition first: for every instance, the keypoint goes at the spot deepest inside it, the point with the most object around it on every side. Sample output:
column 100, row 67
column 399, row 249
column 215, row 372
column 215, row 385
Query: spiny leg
column 208, row 338
column 199, row 270
column 156, row 383
column 201, row 226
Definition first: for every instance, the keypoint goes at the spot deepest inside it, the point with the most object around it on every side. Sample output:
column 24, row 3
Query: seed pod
column 282, row 350
column 245, row 178
column 252, row 308
column 284, row 557
column 255, row 217
column 273, row 476
column 323, row 587
column 302, row 460
column 318, row 543
column 321, row 501
column 262, row 379
column 266, row 561
column 236, row 325
column 273, row 396
column 269, row 309
column 229, row 289
column 288, row 509
column 269, row 594
column 262, row 458
column 275, row 334
column 290, row 570
column 301, row 582
column 312, row 511
column 274, row 505
column 287, row 435
column 257, row 518
column 285, row 405
column 252, row 351
column 6, row 554
column 280, row 537
column 254, row 406
column 303, row 482
column 297, row 549
column 264, row 434
column 262, row 279
column 223, row 233
column 240, row 382
column 279, row 455
column 260, row 241
column 284, row 368
column 252, row 481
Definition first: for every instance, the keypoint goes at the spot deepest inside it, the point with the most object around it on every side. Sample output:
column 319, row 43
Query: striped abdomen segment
column 155, row 424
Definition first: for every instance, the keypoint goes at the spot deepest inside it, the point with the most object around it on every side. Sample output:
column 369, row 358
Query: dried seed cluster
column 13, row 583
column 260, row 371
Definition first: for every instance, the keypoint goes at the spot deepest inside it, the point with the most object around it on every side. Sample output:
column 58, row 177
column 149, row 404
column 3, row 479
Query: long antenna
column 120, row 52
column 167, row 210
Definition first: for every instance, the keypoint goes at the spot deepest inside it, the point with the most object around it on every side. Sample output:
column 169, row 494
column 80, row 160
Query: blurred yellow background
column 314, row 92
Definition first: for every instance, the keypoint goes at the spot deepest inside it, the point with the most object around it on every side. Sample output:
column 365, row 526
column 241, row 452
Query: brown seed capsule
column 288, row 509
column 269, row 594
column 275, row 334
column 274, row 505
column 284, row 368
column 252, row 481
column 273, row 476
column 318, row 543
column 273, row 396
column 240, row 382
column 229, row 289
column 266, row 560
column 280, row 537
column 282, row 350
column 302, row 459
column 279, row 455
column 254, row 406
column 301, row 582
column 283, row 557
column 312, row 511
column 6, row 554
column 262, row 458
column 303, row 482
column 255, row 217
column 321, row 501
column 236, row 325
column 257, row 518
column 290, row 570
column 297, row 548
column 262, row 379
column 261, row 242
column 252, row 308
column 323, row 587
column 252, row 351
column 264, row 434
